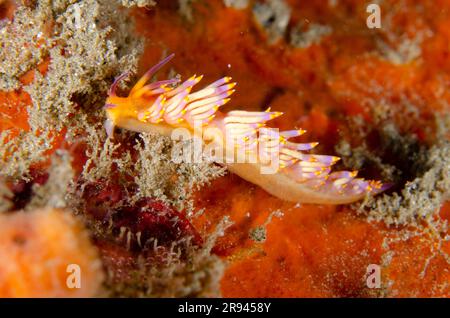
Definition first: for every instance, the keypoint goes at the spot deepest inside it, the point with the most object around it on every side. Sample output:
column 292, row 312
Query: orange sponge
column 47, row 253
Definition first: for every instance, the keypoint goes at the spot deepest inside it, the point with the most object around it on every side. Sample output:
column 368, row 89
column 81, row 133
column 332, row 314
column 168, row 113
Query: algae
column 54, row 193
column 196, row 274
column 5, row 197
column 86, row 44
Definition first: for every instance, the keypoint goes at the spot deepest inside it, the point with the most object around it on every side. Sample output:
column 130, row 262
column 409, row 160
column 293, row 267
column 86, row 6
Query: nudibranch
column 166, row 105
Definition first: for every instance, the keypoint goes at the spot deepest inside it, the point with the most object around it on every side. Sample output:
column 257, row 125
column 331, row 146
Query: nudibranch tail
column 165, row 105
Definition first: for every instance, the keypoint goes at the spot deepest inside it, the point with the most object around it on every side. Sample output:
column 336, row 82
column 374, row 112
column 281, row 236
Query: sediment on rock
column 86, row 45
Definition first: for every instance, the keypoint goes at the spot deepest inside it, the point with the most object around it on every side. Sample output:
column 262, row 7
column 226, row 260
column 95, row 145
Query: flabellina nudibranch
column 163, row 106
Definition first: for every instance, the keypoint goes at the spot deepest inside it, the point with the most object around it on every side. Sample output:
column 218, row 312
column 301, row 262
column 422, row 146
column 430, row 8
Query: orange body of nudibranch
column 165, row 105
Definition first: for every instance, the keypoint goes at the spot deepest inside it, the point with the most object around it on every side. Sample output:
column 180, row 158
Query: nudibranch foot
column 249, row 148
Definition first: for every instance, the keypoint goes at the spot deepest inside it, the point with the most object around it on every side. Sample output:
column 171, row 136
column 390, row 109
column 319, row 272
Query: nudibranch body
column 247, row 144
